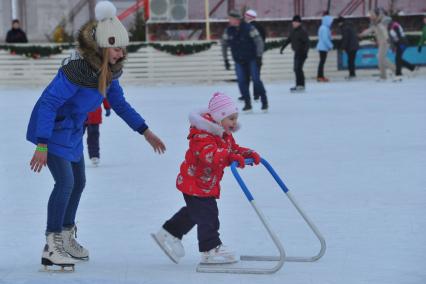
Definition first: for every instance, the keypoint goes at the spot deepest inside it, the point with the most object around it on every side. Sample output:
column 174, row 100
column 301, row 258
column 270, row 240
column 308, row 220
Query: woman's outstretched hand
column 155, row 142
column 39, row 159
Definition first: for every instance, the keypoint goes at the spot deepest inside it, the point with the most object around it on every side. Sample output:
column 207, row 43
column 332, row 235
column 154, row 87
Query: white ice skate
column 297, row 89
column 95, row 161
column 397, row 79
column 381, row 80
column 171, row 245
column 219, row 255
column 71, row 246
column 55, row 254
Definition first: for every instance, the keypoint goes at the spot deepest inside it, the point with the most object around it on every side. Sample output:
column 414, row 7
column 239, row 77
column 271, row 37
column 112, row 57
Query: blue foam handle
column 242, row 184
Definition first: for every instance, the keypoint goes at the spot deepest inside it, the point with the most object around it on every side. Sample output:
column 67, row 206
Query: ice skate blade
column 61, row 270
column 240, row 267
column 64, row 268
column 227, row 262
column 164, row 250
column 81, row 259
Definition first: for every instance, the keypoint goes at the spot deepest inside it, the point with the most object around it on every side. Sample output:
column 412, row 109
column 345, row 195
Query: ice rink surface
column 352, row 153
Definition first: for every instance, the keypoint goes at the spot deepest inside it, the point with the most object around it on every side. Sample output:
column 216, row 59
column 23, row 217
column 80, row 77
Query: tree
column 137, row 31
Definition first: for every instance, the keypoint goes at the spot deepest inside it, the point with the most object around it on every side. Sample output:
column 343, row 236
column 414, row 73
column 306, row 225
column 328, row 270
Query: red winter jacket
column 208, row 154
column 95, row 117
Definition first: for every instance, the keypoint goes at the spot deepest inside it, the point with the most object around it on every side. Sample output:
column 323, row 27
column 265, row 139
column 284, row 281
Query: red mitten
column 255, row 156
column 237, row 158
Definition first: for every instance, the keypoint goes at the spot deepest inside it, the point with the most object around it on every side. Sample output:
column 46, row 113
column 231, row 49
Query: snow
column 352, row 153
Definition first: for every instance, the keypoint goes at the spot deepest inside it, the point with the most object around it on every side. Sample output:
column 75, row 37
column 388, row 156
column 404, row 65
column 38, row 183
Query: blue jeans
column 244, row 72
column 70, row 179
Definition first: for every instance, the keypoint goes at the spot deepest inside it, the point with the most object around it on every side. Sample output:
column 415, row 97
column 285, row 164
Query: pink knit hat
column 221, row 106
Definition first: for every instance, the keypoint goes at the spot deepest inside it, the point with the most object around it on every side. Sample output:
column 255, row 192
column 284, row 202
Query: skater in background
column 300, row 44
column 57, row 121
column 423, row 36
column 211, row 149
column 250, row 17
column 324, row 45
column 349, row 43
column 94, row 120
column 16, row 34
column 399, row 44
column 247, row 49
column 378, row 26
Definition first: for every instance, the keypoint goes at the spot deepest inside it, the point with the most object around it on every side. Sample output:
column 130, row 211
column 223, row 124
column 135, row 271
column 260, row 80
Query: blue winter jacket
column 245, row 42
column 59, row 115
column 324, row 34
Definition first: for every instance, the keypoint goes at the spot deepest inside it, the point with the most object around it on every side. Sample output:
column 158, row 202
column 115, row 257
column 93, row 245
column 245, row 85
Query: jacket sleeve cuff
column 142, row 129
column 42, row 140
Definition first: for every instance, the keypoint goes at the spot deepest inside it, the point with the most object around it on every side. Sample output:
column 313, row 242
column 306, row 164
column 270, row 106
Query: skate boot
column 95, row 161
column 397, row 78
column 171, row 245
column 350, row 78
column 297, row 89
column 218, row 255
column 55, row 254
column 71, row 246
column 265, row 106
column 247, row 108
column 323, row 79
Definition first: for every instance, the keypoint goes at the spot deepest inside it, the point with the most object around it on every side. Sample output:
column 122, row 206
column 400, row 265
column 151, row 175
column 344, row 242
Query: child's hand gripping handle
column 238, row 162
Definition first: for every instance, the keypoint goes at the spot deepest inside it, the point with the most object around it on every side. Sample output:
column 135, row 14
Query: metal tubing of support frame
column 304, row 216
column 301, row 212
column 215, row 268
column 282, row 257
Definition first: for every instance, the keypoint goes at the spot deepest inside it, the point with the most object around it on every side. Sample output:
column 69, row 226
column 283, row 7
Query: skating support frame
column 281, row 258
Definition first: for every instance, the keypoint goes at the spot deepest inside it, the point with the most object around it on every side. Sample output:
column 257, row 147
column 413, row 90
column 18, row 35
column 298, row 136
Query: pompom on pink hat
column 221, row 106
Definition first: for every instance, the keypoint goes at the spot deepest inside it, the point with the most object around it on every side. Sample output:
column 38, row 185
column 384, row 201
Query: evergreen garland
column 36, row 51
column 182, row 49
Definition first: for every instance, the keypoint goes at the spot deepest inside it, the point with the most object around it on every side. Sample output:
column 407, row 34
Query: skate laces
column 59, row 245
column 73, row 242
column 220, row 250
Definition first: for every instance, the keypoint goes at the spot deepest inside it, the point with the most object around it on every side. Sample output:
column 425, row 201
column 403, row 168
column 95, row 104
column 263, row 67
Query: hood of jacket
column 327, row 21
column 202, row 120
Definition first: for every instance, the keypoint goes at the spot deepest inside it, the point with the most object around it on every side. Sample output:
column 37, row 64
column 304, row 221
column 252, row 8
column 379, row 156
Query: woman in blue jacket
column 57, row 122
column 324, row 45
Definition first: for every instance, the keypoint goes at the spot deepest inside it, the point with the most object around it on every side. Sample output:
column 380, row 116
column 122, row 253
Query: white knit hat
column 251, row 13
column 110, row 32
column 221, row 106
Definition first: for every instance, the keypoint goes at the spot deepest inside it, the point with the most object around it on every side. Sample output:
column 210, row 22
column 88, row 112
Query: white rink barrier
column 151, row 66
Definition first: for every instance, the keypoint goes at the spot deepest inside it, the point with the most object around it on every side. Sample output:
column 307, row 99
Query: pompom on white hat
column 110, row 32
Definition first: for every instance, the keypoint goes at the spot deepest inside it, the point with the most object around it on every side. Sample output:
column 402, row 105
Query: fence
column 149, row 65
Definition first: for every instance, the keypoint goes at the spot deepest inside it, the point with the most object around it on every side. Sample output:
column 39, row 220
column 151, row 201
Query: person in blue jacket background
column 57, row 123
column 324, row 45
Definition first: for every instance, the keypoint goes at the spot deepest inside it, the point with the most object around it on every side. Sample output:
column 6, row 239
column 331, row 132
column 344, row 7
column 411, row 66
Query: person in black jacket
column 300, row 44
column 247, row 49
column 349, row 44
column 16, row 35
column 250, row 17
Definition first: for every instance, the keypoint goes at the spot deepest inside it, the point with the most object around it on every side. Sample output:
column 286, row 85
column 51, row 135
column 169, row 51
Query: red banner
column 134, row 8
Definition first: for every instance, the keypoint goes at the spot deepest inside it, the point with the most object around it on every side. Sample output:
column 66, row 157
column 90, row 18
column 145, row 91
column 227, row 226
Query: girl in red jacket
column 94, row 119
column 211, row 149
